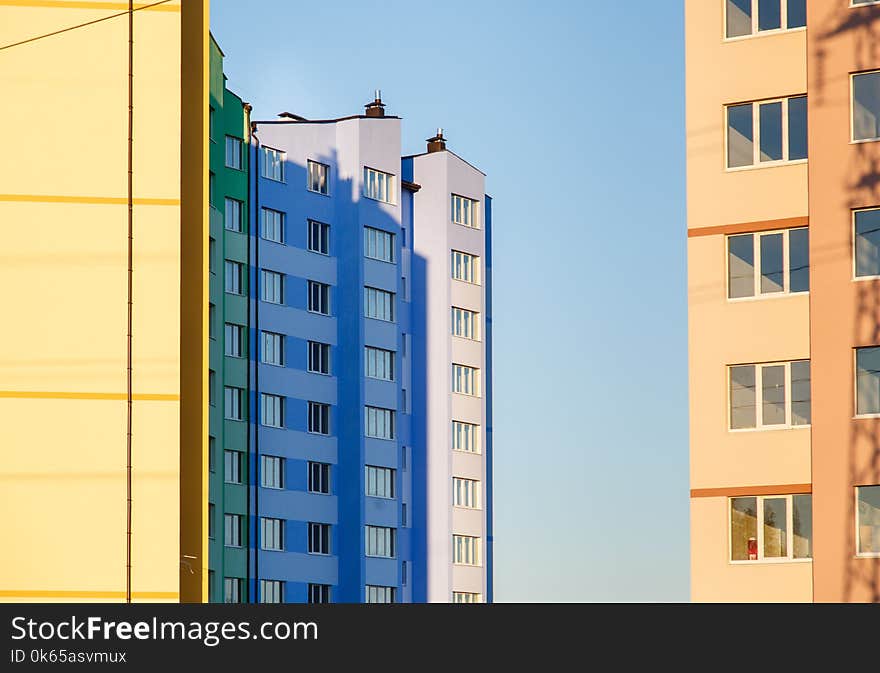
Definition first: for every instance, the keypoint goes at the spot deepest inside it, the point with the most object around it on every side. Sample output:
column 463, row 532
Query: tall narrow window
column 233, row 589
column 465, row 267
column 867, row 381
column 465, row 211
column 866, row 106
column 234, row 340
column 319, row 538
column 319, row 418
column 271, row 472
column 233, row 152
column 233, row 403
column 319, row 478
column 319, row 357
column 378, row 244
column 272, row 164
column 319, row 237
column 318, row 177
column 232, row 535
column 273, row 349
column 272, row 225
column 379, row 185
column 233, row 220
column 378, row 304
column 234, row 277
column 867, row 243
column 232, row 466
column 271, row 534
column 272, row 410
column 272, row 287
column 319, row 298
column 868, row 520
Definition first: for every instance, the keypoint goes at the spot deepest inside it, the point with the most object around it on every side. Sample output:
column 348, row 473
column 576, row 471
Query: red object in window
column 753, row 549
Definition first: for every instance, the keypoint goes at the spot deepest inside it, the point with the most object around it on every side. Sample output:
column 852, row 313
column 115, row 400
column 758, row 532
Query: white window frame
column 236, row 527
column 852, row 107
column 323, row 358
column 475, row 211
column 325, row 538
column 277, row 285
column 318, row 408
column 857, row 538
column 759, row 515
column 466, row 493
column 232, row 460
column 467, row 317
column 321, row 227
column 235, row 392
column 373, row 592
column 273, row 589
column 856, row 278
column 228, row 584
column 322, row 288
column 271, row 410
column 376, row 242
column 783, row 23
column 390, row 186
column 467, row 259
column 323, row 478
column 371, row 423
column 756, row 133
column 468, row 374
column 759, row 397
column 238, row 279
column 272, row 343
column 466, row 597
column 233, row 335
column 855, row 383
column 321, row 592
column 383, row 481
column 239, row 222
column 279, row 158
column 273, row 529
column 271, row 223
column 272, row 472
column 238, row 147
column 475, row 550
column 756, row 270
column 372, row 295
column 309, row 164
column 475, row 437
column 389, row 540
column 373, row 358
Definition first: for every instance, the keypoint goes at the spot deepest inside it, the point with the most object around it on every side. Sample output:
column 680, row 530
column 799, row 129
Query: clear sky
column 575, row 110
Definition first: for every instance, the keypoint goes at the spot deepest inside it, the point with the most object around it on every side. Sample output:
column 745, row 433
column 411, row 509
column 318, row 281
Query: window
column 271, row 472
column 212, row 314
column 465, row 323
column 465, row 211
column 785, row 533
column 379, row 482
column 768, row 396
column 319, row 538
column 466, row 550
column 212, row 378
column 319, row 237
column 271, row 591
column 380, row 541
column 378, row 423
column 465, row 267
column 232, row 536
column 465, row 437
column 377, row 594
column 232, row 466
column 378, row 363
column 319, row 418
column 465, row 380
column 767, row 132
column 212, row 256
column 867, row 381
column 234, row 277
column 319, row 593
column 319, row 357
column 319, row 298
column 272, row 225
column 271, row 534
column 465, row 493
column 233, row 399
column 212, row 444
column 378, row 304
column 769, row 263
column 866, row 239
column 868, row 520
column 232, row 589
column 378, row 244
column 211, row 514
column 272, row 164
column 866, row 106
column 272, row 410
column 379, row 185
column 234, row 342
column 211, row 188
column 319, row 478
column 466, row 597
column 318, row 178
column 273, row 349
column 211, row 123
column 403, row 522
column 233, row 153
column 232, row 221
column 747, row 17
column 272, row 287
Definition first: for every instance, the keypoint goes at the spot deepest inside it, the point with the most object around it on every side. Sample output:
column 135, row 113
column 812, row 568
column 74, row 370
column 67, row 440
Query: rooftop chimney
column 437, row 143
column 377, row 107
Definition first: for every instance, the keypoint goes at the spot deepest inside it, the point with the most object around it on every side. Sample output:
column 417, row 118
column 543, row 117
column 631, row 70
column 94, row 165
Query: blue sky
column 575, row 110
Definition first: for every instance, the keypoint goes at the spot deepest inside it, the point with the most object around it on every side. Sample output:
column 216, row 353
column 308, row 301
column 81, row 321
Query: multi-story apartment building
column 783, row 103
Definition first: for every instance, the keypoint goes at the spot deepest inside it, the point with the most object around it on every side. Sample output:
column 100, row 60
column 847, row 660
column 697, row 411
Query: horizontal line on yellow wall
column 746, row 227
column 49, row 593
column 72, row 476
column 738, row 491
column 78, row 4
column 60, row 395
column 88, row 200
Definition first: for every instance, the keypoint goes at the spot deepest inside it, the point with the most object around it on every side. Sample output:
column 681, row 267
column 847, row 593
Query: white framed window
column 865, row 105
column 379, row 186
column 753, row 17
column 319, row 298
column 234, row 340
column 319, row 237
column 273, row 349
column 379, row 482
column 319, row 357
column 272, row 225
column 867, row 381
column 318, row 177
column 379, row 245
column 234, row 277
column 785, row 531
column 465, row 493
column 378, row 423
column 868, row 520
column 319, row 478
column 319, row 593
column 233, row 403
column 465, row 267
column 465, row 380
column 272, row 164
column 378, row 363
column 272, row 410
column 465, row 437
column 767, row 132
column 272, row 287
column 271, row 472
column 233, row 152
column 465, row 323
column 466, row 550
column 768, row 263
column 232, row 530
column 378, row 304
column 769, row 396
column 379, row 594
column 232, row 466
column 466, row 597
column 271, row 591
column 319, row 418
column 380, row 541
column 319, row 538
column 465, row 211
column 232, row 220
column 233, row 589
column 271, row 534
column 866, row 243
